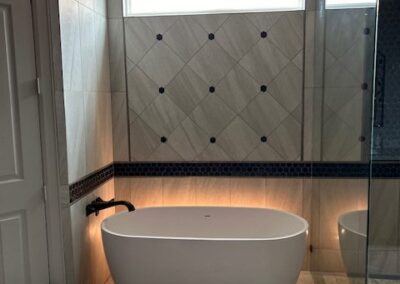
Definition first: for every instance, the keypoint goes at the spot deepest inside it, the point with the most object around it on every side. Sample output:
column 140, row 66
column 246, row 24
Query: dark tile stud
column 361, row 138
column 364, row 86
column 159, row 37
column 264, row 139
column 211, row 36
column 163, row 139
column 211, row 89
column 161, row 90
column 213, row 140
column 367, row 31
column 264, row 34
column 263, row 88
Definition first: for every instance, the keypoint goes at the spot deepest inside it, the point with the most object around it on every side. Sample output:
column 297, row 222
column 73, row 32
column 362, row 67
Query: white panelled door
column 23, row 245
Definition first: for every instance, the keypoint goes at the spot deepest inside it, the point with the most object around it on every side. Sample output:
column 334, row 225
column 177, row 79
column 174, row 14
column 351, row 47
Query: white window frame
column 361, row 4
column 128, row 9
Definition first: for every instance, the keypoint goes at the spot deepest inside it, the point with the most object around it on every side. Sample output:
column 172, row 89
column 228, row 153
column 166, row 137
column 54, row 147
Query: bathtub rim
column 298, row 218
column 347, row 228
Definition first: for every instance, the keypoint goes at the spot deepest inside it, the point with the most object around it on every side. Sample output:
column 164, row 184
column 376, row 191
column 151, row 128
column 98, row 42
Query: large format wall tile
column 215, row 87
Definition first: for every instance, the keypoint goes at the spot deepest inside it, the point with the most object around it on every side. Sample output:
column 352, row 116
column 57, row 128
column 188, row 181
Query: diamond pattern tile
column 212, row 63
column 142, row 91
column 238, row 139
column 264, row 21
column 285, row 36
column 139, row 39
column 161, row 64
column 264, row 114
column 143, row 140
column 188, row 140
column 237, row 36
column 187, row 89
column 255, row 61
column 210, row 23
column 164, row 153
column 287, row 87
column 159, row 25
column 186, row 37
column 237, row 89
column 213, row 153
column 264, row 152
column 212, row 115
column 163, row 116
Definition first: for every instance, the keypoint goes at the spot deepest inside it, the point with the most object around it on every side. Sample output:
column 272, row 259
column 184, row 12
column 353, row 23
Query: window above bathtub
column 190, row 7
column 347, row 4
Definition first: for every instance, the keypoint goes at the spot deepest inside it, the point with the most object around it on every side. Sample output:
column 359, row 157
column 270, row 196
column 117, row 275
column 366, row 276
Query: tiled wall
column 86, row 86
column 89, row 262
column 319, row 201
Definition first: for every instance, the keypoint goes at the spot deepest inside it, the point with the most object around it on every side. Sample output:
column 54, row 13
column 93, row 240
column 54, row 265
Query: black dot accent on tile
column 213, row 140
column 159, row 37
column 84, row 186
column 364, row 86
column 367, row 31
column 161, row 90
column 211, row 36
column 263, row 88
column 361, row 138
column 264, row 34
column 264, row 139
column 163, row 139
column 211, row 89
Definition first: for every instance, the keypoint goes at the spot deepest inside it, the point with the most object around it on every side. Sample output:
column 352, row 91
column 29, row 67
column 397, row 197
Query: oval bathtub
column 352, row 228
column 198, row 245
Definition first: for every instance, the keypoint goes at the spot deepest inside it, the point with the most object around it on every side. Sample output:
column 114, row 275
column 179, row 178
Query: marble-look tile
column 163, row 116
column 212, row 191
column 164, row 153
column 287, row 87
column 337, row 76
column 179, row 192
column 187, row 89
column 146, row 192
column 102, row 55
column 87, row 40
column 238, row 140
column 122, row 187
column 264, row 153
column 299, row 60
column 188, row 140
column 285, row 194
column 120, row 126
column 87, row 3
column 212, row 115
column 114, row 9
column 161, row 64
column 336, row 98
column 61, row 126
column 210, row 23
column 355, row 59
column 213, row 153
column 285, row 35
column 76, row 135
column 143, row 140
column 327, row 260
column 248, row 192
column 212, row 63
column 139, row 38
column 142, row 91
column 159, row 25
column 255, row 62
column 237, row 89
column 117, row 54
column 285, row 139
column 100, row 6
column 185, row 37
column 70, row 45
column 237, row 36
column 264, row 21
column 352, row 112
column 263, row 114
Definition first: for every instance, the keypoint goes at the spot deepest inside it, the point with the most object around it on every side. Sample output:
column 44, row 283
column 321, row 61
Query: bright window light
column 189, row 7
column 342, row 4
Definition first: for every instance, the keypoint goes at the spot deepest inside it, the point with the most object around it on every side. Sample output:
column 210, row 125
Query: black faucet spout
column 99, row 204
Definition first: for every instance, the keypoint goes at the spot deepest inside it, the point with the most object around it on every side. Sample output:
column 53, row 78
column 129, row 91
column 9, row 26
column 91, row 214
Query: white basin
column 198, row 245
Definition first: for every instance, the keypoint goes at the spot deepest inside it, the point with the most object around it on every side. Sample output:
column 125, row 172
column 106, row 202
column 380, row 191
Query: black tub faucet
column 99, row 204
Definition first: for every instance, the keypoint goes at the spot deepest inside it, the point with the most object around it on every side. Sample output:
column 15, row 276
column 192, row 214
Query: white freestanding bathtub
column 352, row 228
column 204, row 245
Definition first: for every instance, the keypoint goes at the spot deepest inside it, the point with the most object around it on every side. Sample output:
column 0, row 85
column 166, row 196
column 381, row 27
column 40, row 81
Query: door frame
column 46, row 31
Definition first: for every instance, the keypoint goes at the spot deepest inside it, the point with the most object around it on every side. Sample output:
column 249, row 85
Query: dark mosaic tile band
column 86, row 185
column 289, row 170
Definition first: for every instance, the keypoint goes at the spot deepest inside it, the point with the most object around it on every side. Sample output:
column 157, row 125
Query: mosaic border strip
column 229, row 169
